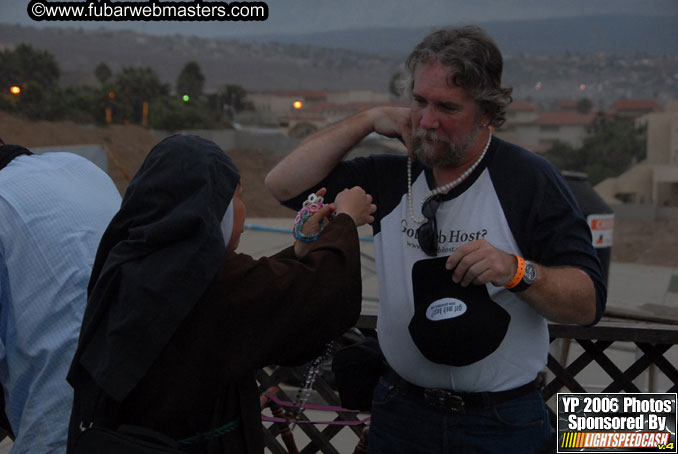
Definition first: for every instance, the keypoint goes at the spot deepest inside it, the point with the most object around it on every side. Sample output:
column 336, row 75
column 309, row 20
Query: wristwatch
column 528, row 279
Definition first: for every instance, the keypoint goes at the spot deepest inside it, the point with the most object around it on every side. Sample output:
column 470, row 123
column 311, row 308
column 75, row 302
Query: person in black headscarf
column 177, row 322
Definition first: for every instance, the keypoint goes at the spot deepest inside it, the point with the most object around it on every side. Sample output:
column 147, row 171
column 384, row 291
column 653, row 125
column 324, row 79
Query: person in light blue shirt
column 53, row 210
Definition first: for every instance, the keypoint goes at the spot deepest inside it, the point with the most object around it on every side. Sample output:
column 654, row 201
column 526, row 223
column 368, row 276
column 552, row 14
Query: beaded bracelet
column 312, row 204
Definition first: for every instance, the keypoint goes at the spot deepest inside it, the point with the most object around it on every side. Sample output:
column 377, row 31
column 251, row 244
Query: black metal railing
column 580, row 347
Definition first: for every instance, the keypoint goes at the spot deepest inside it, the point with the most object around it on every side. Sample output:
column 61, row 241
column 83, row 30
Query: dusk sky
column 302, row 16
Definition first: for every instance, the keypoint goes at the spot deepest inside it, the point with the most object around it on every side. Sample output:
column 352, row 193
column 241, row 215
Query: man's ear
column 484, row 120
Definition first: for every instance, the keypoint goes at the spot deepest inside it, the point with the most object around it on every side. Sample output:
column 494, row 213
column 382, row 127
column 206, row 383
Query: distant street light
column 297, row 105
column 15, row 89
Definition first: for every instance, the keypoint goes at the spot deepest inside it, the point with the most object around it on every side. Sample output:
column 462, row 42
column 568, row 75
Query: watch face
column 530, row 273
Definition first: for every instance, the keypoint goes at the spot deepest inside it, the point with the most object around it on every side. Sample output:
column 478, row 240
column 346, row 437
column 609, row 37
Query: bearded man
column 478, row 244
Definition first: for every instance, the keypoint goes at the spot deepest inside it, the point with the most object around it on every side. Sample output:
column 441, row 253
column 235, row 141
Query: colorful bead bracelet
column 311, row 206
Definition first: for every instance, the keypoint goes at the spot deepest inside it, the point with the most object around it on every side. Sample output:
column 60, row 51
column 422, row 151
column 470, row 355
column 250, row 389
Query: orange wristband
column 520, row 272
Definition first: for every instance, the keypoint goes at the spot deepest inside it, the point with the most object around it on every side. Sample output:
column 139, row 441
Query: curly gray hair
column 475, row 64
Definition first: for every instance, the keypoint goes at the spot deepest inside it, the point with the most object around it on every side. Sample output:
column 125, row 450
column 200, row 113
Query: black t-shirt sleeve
column 383, row 176
column 347, row 174
column 563, row 238
column 544, row 215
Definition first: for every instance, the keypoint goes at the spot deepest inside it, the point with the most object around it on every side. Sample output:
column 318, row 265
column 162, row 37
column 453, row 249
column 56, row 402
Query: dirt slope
column 652, row 243
column 127, row 147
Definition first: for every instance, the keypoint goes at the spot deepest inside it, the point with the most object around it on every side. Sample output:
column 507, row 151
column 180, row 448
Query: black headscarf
column 155, row 261
column 9, row 152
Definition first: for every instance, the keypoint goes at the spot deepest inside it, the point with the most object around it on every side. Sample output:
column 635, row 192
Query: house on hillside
column 318, row 108
column 649, row 190
column 567, row 106
column 634, row 108
column 270, row 106
column 535, row 130
column 307, row 120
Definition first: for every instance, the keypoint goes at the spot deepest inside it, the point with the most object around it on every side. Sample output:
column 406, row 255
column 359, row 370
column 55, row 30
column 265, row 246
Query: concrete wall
column 351, row 96
column 225, row 138
column 637, row 181
column 662, row 138
column 95, row 153
column 534, row 134
column 266, row 140
column 644, row 212
column 667, row 213
column 275, row 104
column 526, row 134
column 513, row 116
column 270, row 107
column 635, row 211
column 272, row 143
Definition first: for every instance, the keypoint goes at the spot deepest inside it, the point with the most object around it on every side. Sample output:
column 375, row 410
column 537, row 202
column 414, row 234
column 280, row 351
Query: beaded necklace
column 440, row 189
column 310, row 375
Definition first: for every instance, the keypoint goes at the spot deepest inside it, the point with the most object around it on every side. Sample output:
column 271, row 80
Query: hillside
column 615, row 34
column 127, row 147
column 561, row 54
column 650, row 243
column 255, row 66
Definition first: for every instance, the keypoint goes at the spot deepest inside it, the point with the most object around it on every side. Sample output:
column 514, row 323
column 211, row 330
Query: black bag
column 97, row 438
column 357, row 369
column 125, row 440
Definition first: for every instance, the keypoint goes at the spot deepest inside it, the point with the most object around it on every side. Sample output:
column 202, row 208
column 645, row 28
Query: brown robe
column 275, row 310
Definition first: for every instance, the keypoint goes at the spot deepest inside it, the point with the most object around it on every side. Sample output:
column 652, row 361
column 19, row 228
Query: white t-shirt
column 488, row 337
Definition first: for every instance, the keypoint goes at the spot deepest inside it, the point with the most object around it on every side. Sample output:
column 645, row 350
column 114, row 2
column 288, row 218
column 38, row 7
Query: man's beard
column 442, row 152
